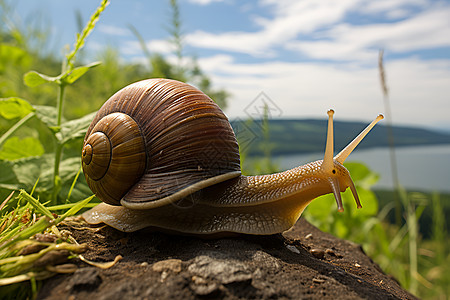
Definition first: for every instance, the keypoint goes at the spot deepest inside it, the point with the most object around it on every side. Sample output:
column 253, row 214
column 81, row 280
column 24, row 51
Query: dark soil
column 302, row 263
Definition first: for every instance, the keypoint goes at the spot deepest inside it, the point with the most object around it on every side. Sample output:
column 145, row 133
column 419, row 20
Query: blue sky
column 305, row 55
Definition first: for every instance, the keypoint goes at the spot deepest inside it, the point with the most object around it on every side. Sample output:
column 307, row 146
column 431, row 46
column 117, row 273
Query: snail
column 161, row 154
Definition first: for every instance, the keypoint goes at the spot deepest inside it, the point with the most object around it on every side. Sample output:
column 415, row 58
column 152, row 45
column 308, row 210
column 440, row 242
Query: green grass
column 416, row 253
column 29, row 232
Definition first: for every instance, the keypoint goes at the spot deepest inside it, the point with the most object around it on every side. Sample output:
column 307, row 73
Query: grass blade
column 36, row 204
column 74, row 209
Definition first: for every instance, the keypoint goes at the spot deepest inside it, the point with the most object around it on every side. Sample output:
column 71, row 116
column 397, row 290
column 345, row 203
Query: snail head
column 332, row 168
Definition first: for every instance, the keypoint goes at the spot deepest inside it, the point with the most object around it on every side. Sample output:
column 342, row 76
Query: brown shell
column 183, row 140
column 113, row 157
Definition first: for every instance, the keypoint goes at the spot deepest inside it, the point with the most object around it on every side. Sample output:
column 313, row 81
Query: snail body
column 162, row 154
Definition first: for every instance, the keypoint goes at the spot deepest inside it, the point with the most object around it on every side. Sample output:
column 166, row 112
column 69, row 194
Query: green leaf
column 14, row 56
column 74, row 129
column 47, row 115
column 80, row 191
column 67, row 171
column 28, row 170
column 5, row 136
column 8, row 179
column 369, row 203
column 321, row 207
column 69, row 168
column 11, row 108
column 75, row 74
column 15, row 148
column 362, row 175
column 33, row 79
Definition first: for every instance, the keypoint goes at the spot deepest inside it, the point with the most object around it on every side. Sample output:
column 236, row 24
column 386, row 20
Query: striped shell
column 157, row 141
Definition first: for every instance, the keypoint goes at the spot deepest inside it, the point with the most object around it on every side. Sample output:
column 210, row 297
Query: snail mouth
column 336, row 188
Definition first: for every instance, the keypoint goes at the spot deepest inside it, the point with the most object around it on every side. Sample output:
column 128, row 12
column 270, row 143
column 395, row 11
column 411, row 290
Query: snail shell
column 158, row 140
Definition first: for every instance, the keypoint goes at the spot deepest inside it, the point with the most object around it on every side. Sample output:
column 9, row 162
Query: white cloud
column 348, row 42
column 319, row 29
column 154, row 46
column 204, row 2
column 393, row 9
column 290, row 19
column 418, row 90
column 347, row 78
column 113, row 30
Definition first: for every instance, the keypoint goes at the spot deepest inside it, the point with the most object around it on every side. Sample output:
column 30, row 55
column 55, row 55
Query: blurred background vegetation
column 415, row 250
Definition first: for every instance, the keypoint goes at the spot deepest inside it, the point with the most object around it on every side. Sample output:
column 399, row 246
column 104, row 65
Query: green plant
column 26, row 164
column 24, row 160
column 22, row 251
column 419, row 265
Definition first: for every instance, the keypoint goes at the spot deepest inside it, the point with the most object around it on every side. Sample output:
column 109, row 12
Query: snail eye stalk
column 342, row 156
column 328, row 160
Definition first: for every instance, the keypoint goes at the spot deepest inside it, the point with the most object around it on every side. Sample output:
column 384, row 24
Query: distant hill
column 288, row 136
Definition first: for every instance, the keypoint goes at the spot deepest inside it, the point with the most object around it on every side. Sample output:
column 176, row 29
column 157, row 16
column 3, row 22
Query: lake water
column 421, row 168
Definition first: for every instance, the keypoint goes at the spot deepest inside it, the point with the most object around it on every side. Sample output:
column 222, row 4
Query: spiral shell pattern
column 156, row 138
column 113, row 157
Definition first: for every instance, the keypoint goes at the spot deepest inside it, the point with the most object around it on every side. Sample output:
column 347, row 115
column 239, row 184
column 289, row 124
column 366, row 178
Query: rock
column 161, row 266
column 84, row 279
column 318, row 253
column 224, row 270
column 173, row 265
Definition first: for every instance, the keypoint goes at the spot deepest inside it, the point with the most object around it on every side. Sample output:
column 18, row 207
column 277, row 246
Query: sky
column 302, row 57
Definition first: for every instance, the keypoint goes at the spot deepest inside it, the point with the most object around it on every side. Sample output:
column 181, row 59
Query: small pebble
column 293, row 249
column 309, row 236
column 204, row 290
column 330, row 252
column 318, row 280
column 144, row 264
column 318, row 253
column 173, row 265
column 84, row 279
column 201, row 287
column 357, row 265
column 198, row 280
